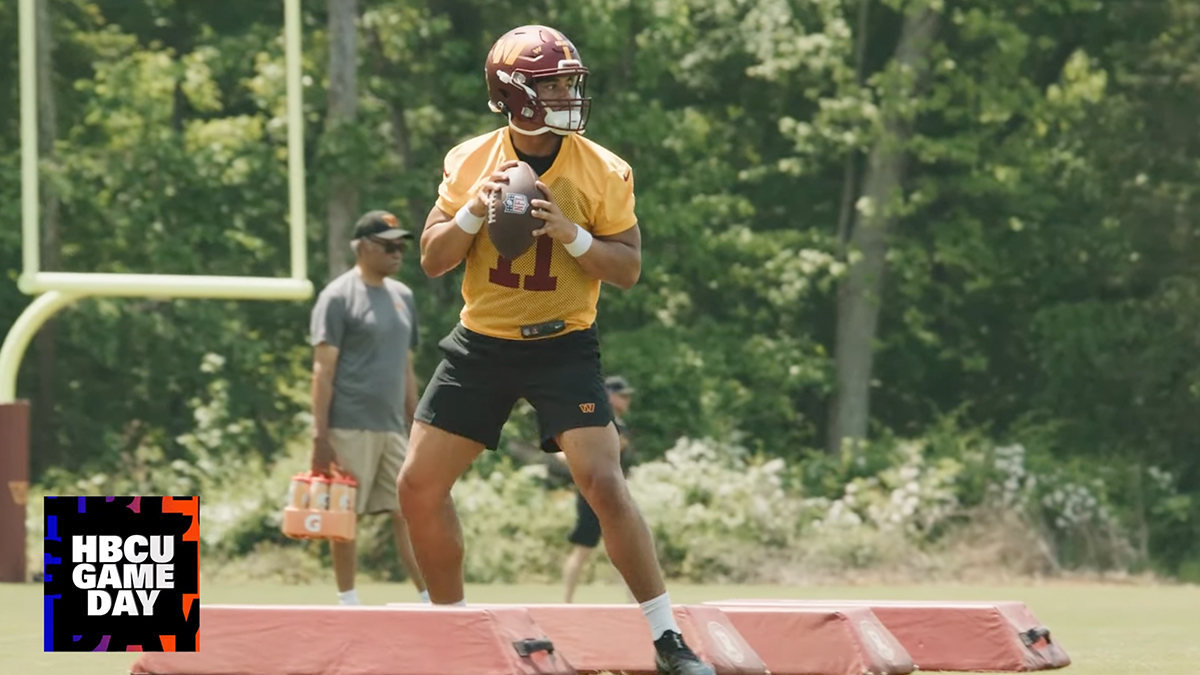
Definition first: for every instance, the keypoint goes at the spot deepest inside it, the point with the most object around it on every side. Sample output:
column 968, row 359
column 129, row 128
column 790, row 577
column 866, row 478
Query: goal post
column 56, row 290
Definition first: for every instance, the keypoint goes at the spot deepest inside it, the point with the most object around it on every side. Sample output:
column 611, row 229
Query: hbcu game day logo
column 122, row 574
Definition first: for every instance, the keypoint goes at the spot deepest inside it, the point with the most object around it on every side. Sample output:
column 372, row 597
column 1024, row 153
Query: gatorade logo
column 881, row 644
column 725, row 641
column 312, row 522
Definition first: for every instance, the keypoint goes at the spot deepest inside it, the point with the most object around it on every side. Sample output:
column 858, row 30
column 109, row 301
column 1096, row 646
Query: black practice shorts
column 587, row 525
column 480, row 378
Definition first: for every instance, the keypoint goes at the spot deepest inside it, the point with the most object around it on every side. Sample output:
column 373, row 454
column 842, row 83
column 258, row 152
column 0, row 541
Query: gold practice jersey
column 591, row 185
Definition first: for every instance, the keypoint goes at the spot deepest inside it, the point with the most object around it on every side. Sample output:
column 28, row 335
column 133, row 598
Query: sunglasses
column 390, row 246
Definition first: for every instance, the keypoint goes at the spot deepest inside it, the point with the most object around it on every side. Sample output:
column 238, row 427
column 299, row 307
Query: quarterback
column 527, row 328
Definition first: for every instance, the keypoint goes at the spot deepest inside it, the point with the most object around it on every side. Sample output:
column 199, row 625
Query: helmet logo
column 507, row 50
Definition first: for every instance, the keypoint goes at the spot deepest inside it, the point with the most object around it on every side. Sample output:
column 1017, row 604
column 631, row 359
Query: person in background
column 586, row 534
column 364, row 390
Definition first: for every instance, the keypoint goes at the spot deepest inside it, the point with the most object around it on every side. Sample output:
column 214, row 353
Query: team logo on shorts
column 587, row 407
column 515, row 202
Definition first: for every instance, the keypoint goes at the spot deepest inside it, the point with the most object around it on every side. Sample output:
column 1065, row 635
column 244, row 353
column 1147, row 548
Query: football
column 510, row 214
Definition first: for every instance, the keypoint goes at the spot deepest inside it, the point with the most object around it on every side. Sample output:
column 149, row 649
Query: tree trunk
column 443, row 288
column 850, row 170
column 416, row 215
column 343, row 109
column 51, row 254
column 860, row 293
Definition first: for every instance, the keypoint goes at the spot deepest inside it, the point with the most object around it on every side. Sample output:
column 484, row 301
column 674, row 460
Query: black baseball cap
column 380, row 225
column 618, row 385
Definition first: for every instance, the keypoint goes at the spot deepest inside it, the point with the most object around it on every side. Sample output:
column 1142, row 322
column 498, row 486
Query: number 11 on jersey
column 540, row 280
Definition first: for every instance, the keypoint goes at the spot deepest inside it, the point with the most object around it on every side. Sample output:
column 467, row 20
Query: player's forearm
column 322, row 397
column 616, row 262
column 443, row 247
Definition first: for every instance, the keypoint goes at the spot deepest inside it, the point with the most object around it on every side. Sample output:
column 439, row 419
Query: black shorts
column 480, row 378
column 587, row 525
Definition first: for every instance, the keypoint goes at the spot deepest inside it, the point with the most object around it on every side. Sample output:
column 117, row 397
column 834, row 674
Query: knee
column 414, row 496
column 603, row 489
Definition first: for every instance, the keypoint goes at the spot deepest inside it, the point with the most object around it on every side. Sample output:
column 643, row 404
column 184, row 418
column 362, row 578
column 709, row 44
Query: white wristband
column 583, row 242
column 467, row 221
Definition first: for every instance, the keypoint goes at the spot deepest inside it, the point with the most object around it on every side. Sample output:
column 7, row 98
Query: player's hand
column 479, row 204
column 323, row 456
column 557, row 226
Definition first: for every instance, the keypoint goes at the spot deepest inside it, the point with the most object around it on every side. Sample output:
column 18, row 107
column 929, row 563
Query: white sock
column 660, row 615
column 350, row 597
column 425, row 597
column 460, row 603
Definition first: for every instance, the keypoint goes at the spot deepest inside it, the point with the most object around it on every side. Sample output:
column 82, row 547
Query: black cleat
column 674, row 657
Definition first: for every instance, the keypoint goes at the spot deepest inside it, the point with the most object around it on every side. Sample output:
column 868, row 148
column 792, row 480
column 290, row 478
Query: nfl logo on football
column 516, row 202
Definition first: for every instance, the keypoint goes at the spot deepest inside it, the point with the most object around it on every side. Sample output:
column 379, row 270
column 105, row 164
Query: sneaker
column 676, row 658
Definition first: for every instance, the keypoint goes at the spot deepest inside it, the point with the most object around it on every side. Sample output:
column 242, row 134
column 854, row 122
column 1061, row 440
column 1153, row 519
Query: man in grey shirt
column 364, row 391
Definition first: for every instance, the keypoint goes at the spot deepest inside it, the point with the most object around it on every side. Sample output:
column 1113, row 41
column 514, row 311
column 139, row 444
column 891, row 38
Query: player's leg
column 585, row 537
column 404, row 550
column 593, row 454
column 461, row 412
column 566, row 388
column 436, row 459
column 394, row 451
column 574, row 415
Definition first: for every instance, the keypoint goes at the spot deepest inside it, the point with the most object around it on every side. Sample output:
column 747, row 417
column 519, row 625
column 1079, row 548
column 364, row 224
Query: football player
column 527, row 326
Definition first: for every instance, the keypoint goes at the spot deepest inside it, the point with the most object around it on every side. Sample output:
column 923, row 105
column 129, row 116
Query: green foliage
column 905, row 508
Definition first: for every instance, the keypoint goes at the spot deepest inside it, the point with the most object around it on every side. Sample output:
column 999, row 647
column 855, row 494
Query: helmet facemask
column 561, row 115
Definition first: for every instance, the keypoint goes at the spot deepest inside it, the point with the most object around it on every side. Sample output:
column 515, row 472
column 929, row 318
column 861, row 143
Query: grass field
column 1107, row 629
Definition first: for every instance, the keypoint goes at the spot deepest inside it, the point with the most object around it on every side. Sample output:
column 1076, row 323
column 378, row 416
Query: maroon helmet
column 524, row 55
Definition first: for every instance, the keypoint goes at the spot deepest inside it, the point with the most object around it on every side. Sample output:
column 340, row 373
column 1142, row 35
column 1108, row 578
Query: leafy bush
column 713, row 508
column 949, row 505
column 515, row 529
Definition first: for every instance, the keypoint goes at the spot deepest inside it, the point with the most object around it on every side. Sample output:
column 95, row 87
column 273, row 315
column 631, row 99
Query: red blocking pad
column 955, row 636
column 325, row 640
column 616, row 638
column 816, row 641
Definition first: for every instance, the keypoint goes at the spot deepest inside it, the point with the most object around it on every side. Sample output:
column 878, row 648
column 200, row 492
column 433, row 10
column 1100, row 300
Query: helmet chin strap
column 539, row 132
column 543, row 130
